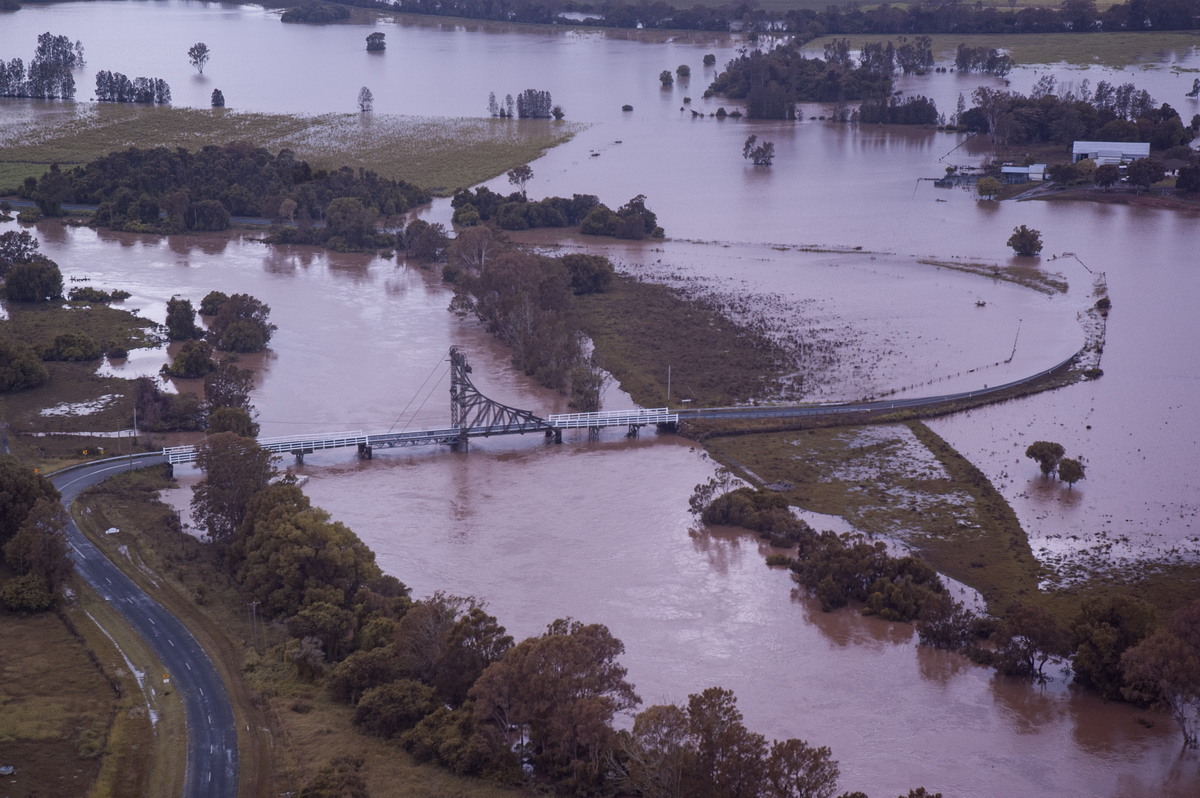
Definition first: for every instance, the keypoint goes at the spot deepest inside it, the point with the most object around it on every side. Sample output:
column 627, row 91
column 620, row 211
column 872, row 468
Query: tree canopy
column 560, row 692
column 235, row 469
column 200, row 190
column 1025, row 241
column 198, row 55
column 1164, row 668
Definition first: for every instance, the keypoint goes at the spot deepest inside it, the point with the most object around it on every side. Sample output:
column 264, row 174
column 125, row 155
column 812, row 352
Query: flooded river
column 599, row 530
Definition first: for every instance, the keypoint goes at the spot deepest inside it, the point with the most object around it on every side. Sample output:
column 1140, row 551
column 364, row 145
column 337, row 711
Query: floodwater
column 599, row 530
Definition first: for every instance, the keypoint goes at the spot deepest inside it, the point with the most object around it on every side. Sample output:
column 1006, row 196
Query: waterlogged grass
column 1116, row 50
column 438, row 154
column 79, row 399
column 899, row 482
column 712, row 360
column 1028, row 276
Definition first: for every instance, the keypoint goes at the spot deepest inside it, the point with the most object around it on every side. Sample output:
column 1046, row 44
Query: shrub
column 193, row 361
column 20, row 367
column 26, row 593
column 38, row 280
column 73, row 346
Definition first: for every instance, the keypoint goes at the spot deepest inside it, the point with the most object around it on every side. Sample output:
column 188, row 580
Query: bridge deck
column 613, row 418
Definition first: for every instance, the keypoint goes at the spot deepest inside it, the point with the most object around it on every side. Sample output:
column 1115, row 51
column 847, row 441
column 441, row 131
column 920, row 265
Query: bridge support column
column 593, row 433
column 364, row 451
column 555, row 434
column 633, row 430
column 299, row 458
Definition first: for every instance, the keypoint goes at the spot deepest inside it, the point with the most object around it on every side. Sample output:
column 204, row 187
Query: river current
column 599, row 530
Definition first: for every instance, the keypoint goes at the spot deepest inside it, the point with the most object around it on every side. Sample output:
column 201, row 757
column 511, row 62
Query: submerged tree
column 1047, row 454
column 218, row 99
column 376, row 43
column 1070, row 471
column 761, row 154
column 1025, row 241
column 198, row 55
column 1165, row 669
column 366, row 100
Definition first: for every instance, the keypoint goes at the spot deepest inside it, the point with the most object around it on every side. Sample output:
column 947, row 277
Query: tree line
column 49, row 74
column 1114, row 643
column 33, row 544
column 633, row 220
column 1077, row 16
column 526, row 300
column 1060, row 114
column 772, row 83
column 443, row 678
column 114, row 87
column 164, row 190
column 529, row 104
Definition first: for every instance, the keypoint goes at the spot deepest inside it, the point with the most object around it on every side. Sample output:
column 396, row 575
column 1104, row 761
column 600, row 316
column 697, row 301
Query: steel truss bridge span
column 473, row 415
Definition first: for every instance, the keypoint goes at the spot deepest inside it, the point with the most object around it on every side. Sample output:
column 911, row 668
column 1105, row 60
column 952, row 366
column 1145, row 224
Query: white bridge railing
column 612, row 418
column 283, row 443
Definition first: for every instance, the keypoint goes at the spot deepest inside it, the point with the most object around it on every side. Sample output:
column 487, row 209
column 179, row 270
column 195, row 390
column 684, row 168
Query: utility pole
column 668, row 384
column 253, row 605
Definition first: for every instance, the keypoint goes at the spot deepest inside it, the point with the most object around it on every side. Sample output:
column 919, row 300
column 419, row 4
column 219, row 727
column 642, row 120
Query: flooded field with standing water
column 837, row 245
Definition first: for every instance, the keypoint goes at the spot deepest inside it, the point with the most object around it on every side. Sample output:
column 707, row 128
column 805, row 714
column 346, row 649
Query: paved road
column 839, row 408
column 212, row 754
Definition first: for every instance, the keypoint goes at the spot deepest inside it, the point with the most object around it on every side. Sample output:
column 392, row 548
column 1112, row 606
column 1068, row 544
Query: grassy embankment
column 295, row 727
column 437, row 154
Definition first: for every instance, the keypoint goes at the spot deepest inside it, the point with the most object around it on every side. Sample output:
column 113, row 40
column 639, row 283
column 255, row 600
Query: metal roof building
column 1105, row 152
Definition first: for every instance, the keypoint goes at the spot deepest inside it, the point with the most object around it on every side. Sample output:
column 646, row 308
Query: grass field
column 1117, row 50
column 55, row 708
column 74, row 719
column 438, row 154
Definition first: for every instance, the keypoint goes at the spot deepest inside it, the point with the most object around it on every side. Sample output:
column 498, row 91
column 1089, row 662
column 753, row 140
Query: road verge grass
column 295, row 728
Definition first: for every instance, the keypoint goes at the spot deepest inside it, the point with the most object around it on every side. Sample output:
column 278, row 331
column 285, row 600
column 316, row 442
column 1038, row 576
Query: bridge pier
column 634, row 429
column 364, row 451
column 554, row 433
column 300, row 455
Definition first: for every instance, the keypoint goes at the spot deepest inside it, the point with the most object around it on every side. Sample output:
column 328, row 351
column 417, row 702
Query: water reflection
column 601, row 532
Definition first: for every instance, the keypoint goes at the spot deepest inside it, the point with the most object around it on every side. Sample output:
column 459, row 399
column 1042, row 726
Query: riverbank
column 292, row 728
column 1159, row 199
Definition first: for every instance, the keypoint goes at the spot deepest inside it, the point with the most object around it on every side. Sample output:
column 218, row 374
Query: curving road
column 212, row 753
column 839, row 408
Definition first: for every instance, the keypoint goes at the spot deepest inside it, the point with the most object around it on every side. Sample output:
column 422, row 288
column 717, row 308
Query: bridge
column 472, row 415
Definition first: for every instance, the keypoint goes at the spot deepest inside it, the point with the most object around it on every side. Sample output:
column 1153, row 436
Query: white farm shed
column 1109, row 152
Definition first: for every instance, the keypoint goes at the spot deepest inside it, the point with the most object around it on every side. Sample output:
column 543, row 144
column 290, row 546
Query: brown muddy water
column 599, row 530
